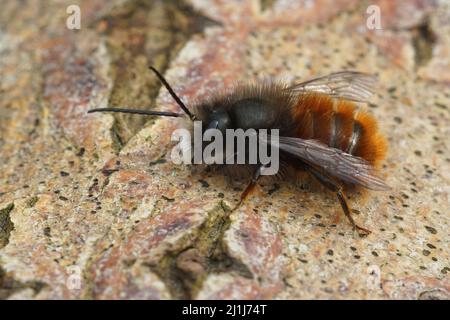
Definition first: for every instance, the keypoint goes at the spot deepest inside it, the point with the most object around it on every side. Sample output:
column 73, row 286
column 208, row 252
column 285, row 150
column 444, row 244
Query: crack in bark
column 423, row 41
column 9, row 285
column 266, row 4
column 6, row 225
column 184, row 271
column 140, row 34
column 434, row 294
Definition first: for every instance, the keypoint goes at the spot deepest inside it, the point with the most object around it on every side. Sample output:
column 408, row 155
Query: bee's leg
column 251, row 186
column 334, row 186
column 346, row 208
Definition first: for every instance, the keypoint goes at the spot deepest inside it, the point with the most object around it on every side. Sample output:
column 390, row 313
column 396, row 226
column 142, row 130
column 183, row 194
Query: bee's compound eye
column 214, row 124
column 220, row 121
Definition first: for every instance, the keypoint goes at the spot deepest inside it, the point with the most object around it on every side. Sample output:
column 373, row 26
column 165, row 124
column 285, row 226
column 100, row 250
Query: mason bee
column 321, row 130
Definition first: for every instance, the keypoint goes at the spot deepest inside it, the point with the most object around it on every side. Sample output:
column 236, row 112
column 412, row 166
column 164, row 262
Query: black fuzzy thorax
column 265, row 105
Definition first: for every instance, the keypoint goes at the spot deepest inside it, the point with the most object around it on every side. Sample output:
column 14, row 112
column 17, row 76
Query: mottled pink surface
column 101, row 217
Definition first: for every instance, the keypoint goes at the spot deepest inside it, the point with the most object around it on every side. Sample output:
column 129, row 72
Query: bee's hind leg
column 345, row 207
column 334, row 186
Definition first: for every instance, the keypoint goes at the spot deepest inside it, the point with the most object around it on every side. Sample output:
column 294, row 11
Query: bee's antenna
column 172, row 93
column 153, row 113
column 137, row 111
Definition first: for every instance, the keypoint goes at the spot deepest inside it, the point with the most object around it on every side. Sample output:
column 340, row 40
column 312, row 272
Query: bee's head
column 219, row 120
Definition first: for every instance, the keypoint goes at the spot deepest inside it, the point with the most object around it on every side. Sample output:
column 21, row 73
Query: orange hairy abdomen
column 338, row 124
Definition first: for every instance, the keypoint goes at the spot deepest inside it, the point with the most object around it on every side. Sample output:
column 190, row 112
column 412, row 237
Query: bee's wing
column 334, row 161
column 349, row 85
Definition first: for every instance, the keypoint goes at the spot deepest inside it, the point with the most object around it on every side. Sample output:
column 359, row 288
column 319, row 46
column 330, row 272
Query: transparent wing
column 349, row 85
column 334, row 161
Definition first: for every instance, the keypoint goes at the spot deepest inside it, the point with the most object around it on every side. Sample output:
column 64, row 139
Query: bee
column 321, row 130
